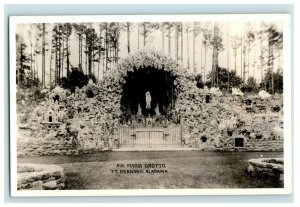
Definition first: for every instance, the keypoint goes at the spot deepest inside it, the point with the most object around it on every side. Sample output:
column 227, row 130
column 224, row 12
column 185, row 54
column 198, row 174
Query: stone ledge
column 40, row 177
column 267, row 167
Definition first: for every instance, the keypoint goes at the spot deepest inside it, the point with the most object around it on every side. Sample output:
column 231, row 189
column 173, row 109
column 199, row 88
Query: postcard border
column 287, row 122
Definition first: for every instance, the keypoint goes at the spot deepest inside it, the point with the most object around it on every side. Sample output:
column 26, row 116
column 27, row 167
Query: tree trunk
column 177, row 44
column 110, row 59
column 248, row 57
column 34, row 69
column 56, row 62
column 99, row 51
column 86, row 57
column 89, row 56
column 254, row 61
column 117, row 47
column 244, row 65
column 228, row 56
column 144, row 32
column 201, row 59
column 79, row 54
column 181, row 49
column 235, row 53
column 51, row 59
column 20, row 67
column 106, row 48
column 194, row 48
column 68, row 58
column 261, row 60
column 188, row 48
column 138, row 35
column 37, row 67
column 272, row 67
column 59, row 57
column 163, row 37
column 243, row 56
column 214, row 58
column 43, row 55
column 204, row 69
column 31, row 56
column 62, row 57
column 128, row 37
column 169, row 44
column 104, row 53
column 92, row 57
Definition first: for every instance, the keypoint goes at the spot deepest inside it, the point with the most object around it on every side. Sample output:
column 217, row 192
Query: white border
column 285, row 18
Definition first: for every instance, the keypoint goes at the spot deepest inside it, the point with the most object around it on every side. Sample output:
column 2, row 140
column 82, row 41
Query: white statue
column 139, row 110
column 56, row 106
column 157, row 113
column 90, row 82
column 148, row 100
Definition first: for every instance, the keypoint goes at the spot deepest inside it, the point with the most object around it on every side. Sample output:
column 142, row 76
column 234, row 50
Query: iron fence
column 150, row 137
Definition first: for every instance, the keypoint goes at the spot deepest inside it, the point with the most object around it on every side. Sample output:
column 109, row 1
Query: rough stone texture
column 89, row 122
column 50, row 185
column 267, row 167
column 267, row 145
column 40, row 177
column 37, row 185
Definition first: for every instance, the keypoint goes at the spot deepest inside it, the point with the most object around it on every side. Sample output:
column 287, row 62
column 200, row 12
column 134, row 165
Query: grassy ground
column 185, row 169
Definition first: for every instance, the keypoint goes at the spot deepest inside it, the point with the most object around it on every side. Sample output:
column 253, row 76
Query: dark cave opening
column 160, row 85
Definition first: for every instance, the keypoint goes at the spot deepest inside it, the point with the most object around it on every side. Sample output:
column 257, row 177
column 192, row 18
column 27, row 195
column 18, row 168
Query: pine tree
column 217, row 47
column 91, row 39
column 67, row 31
column 79, row 30
column 148, row 28
column 170, row 26
column 235, row 45
column 187, row 31
column 274, row 42
column 23, row 63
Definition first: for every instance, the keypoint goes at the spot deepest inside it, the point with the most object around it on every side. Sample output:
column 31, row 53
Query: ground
column 185, row 169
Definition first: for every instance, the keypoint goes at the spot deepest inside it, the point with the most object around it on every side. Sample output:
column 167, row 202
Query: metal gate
column 150, row 137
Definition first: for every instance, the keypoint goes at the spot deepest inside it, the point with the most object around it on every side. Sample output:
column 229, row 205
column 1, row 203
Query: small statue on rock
column 139, row 113
column 90, row 82
column 149, row 120
column 157, row 113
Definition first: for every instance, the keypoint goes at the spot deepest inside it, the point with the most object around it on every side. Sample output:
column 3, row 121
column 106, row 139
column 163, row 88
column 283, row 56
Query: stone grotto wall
column 89, row 118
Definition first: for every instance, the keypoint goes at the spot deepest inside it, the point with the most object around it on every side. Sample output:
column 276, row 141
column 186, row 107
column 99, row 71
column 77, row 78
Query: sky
column 226, row 59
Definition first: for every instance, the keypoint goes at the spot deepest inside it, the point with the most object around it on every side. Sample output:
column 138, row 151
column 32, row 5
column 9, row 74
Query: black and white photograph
column 150, row 105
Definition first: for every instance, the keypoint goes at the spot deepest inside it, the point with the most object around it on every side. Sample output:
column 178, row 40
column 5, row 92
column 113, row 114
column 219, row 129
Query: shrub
column 199, row 82
column 250, row 86
column 76, row 78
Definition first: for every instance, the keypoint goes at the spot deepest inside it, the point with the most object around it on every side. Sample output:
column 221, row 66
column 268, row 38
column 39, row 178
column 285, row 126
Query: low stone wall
column 265, row 145
column 43, row 143
column 40, row 177
column 267, row 167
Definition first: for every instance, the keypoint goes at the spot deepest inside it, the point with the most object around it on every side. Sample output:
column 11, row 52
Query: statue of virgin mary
column 148, row 100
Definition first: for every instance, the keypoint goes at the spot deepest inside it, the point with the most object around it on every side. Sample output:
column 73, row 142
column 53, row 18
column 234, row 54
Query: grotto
column 159, row 83
column 149, row 95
